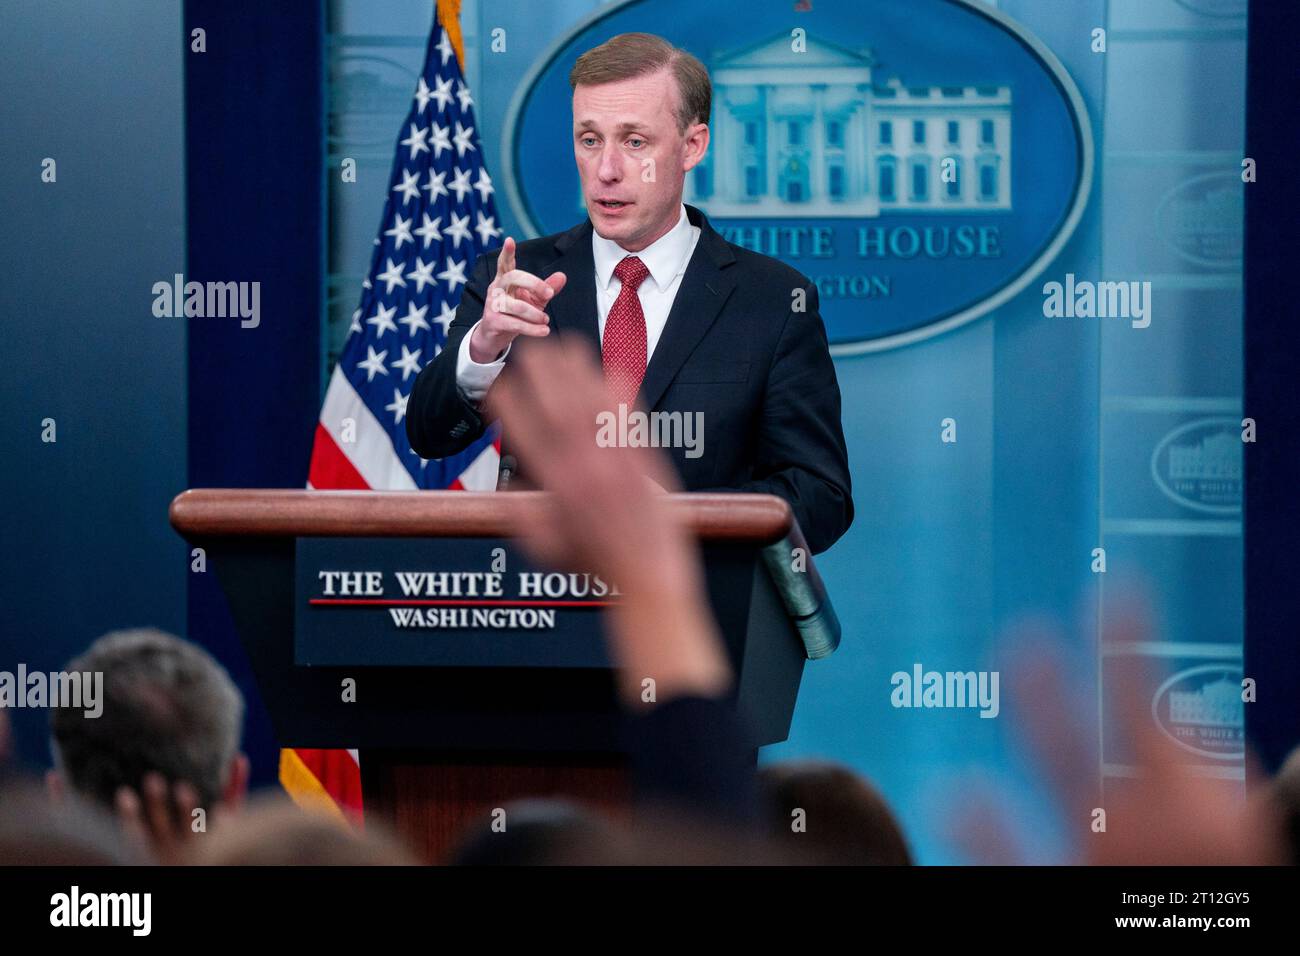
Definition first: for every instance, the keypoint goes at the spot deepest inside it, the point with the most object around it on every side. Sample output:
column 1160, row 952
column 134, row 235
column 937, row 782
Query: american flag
column 439, row 216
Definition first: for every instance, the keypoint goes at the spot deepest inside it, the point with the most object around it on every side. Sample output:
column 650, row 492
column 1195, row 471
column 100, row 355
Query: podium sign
column 442, row 602
column 340, row 588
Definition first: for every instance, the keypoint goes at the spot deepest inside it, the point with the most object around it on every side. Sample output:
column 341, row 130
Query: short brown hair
column 168, row 707
column 849, row 821
column 630, row 55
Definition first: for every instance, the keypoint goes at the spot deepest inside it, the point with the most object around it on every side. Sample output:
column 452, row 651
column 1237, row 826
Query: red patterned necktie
column 623, row 350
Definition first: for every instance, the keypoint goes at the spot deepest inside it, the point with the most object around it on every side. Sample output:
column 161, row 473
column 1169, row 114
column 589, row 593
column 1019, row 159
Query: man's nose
column 610, row 169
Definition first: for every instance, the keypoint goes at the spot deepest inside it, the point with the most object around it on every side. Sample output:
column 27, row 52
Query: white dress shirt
column 666, row 258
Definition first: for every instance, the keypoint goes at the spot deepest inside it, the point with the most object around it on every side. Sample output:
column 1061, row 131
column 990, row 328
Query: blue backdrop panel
column 253, row 135
column 93, row 85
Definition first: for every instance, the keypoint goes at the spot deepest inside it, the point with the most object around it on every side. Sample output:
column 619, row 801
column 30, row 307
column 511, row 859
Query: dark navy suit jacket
column 735, row 347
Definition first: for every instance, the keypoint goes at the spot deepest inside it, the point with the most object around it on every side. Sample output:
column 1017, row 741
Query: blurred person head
column 666, row 837
column 546, row 832
column 273, row 831
column 557, row 832
column 1286, row 797
column 844, row 819
column 35, row 831
column 169, row 709
column 640, row 123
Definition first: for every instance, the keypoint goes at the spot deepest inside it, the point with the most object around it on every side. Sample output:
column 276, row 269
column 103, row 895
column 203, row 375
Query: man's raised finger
column 506, row 261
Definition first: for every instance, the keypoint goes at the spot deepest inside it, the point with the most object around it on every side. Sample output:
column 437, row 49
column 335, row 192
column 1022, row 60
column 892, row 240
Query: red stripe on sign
column 330, row 468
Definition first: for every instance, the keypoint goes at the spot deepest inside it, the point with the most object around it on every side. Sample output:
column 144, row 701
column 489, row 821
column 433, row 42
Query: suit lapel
column 574, row 309
column 704, row 290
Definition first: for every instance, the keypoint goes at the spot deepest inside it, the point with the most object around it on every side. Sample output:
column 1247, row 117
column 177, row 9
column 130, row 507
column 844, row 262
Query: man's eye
column 635, row 142
column 587, row 140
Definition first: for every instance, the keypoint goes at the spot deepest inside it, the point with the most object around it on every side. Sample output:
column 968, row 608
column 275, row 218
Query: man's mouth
column 612, row 203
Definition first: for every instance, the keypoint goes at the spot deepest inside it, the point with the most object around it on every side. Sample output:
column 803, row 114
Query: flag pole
column 449, row 16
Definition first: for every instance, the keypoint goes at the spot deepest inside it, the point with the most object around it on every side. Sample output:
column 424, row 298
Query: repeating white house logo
column 370, row 95
column 1201, row 220
column 1200, row 710
column 922, row 161
column 1199, row 465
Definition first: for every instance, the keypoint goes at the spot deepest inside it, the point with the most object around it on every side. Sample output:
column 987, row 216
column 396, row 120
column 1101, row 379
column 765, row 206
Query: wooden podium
column 463, row 703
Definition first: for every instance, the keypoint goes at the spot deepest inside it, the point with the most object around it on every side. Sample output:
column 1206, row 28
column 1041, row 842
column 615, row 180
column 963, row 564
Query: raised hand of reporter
column 606, row 512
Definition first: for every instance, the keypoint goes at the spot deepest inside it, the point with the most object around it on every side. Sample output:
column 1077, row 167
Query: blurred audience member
column 1165, row 815
column 555, row 832
column 273, row 831
column 545, row 832
column 165, row 746
column 830, row 813
column 36, row 832
column 1285, row 792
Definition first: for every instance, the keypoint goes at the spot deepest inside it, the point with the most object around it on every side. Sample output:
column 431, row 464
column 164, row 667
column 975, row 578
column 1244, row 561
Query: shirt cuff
column 473, row 379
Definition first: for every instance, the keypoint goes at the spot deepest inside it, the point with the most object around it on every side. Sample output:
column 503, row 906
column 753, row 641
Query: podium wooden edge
column 291, row 512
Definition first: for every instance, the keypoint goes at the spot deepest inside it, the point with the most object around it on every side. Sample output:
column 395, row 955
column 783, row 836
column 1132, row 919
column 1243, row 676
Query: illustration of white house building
column 1214, row 705
column 813, row 134
column 1216, row 457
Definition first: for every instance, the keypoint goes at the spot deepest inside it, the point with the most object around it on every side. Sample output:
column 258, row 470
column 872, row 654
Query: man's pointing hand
column 515, row 305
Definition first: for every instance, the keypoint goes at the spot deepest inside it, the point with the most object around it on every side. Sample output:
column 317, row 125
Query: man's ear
column 232, row 797
column 55, row 786
column 697, row 144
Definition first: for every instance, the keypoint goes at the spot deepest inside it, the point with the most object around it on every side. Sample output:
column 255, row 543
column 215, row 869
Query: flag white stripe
column 481, row 475
column 372, row 453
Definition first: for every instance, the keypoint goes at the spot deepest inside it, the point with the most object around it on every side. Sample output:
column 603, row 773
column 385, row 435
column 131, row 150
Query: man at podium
column 714, row 352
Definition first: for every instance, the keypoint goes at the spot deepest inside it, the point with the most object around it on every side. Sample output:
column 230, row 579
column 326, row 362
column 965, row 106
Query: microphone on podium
column 506, row 472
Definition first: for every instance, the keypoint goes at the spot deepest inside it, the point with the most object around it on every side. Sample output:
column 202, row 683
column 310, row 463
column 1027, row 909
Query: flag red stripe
column 337, row 772
column 339, row 775
column 330, row 468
